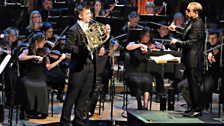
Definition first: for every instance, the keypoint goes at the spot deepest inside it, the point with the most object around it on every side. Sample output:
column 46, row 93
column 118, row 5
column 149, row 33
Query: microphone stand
column 220, row 67
column 112, row 89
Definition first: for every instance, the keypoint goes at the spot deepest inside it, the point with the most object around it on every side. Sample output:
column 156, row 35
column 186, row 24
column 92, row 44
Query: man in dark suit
column 81, row 69
column 193, row 36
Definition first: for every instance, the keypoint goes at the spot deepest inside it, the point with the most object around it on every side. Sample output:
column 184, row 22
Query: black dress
column 35, row 91
column 137, row 76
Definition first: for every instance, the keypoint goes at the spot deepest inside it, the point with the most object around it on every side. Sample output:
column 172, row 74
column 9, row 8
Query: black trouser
column 79, row 87
column 11, row 87
column 193, row 77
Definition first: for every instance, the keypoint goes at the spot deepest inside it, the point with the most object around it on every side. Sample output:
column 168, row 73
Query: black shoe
column 140, row 107
column 193, row 114
column 188, row 111
column 60, row 96
column 23, row 116
column 79, row 122
column 43, row 116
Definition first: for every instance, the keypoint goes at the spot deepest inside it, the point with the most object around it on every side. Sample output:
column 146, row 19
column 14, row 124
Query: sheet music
column 5, row 62
column 165, row 59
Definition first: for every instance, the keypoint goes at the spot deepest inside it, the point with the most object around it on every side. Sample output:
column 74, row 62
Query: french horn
column 96, row 35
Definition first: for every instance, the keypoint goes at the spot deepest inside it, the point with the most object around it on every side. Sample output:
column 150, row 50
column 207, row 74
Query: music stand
column 2, row 67
column 115, row 23
column 146, row 19
column 133, row 35
column 118, row 11
column 4, row 63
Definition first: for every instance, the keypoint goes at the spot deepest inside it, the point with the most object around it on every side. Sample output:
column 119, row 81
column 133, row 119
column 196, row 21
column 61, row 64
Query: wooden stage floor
column 118, row 112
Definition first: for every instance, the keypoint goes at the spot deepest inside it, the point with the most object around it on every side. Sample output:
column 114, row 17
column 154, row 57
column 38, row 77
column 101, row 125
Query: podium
column 162, row 60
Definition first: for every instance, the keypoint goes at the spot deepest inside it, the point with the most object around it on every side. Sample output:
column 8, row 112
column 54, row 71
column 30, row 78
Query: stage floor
column 171, row 118
column 119, row 114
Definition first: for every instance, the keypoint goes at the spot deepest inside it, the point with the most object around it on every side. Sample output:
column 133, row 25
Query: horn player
column 81, row 69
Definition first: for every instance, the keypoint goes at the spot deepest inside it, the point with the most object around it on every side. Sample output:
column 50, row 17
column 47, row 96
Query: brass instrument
column 96, row 35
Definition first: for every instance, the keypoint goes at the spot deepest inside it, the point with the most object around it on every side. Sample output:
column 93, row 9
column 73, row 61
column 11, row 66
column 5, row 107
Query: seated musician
column 214, row 60
column 34, row 88
column 178, row 20
column 47, row 5
column 164, row 33
column 137, row 77
column 133, row 19
column 10, row 43
column 98, row 9
column 35, row 24
column 152, row 9
column 55, row 77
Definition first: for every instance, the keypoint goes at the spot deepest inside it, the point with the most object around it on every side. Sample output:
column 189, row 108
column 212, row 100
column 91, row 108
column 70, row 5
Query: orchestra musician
column 192, row 43
column 35, row 23
column 55, row 77
column 132, row 24
column 138, row 69
column 150, row 8
column 98, row 9
column 216, row 68
column 81, row 69
column 214, row 58
column 133, row 20
column 10, row 43
column 47, row 5
column 34, row 95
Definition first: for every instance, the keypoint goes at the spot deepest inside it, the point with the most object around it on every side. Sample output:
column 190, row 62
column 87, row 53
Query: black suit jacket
column 193, row 38
column 76, row 44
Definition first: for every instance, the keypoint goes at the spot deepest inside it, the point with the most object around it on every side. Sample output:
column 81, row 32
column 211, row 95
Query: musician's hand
column 172, row 27
column 107, row 29
column 144, row 48
column 50, row 43
column 102, row 51
column 173, row 41
column 38, row 58
column 63, row 56
column 211, row 58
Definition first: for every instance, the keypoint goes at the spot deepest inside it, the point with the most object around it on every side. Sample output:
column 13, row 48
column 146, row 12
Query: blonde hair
column 197, row 6
column 31, row 25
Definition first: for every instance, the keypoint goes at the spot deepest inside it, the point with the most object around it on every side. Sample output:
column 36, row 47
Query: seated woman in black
column 55, row 77
column 35, row 93
column 137, row 76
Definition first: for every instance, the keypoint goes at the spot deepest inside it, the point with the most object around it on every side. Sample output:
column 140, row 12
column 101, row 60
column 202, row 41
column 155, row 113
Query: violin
column 55, row 54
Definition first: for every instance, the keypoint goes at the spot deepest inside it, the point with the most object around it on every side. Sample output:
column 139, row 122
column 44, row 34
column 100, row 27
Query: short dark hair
column 46, row 26
column 82, row 6
column 214, row 33
column 133, row 14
